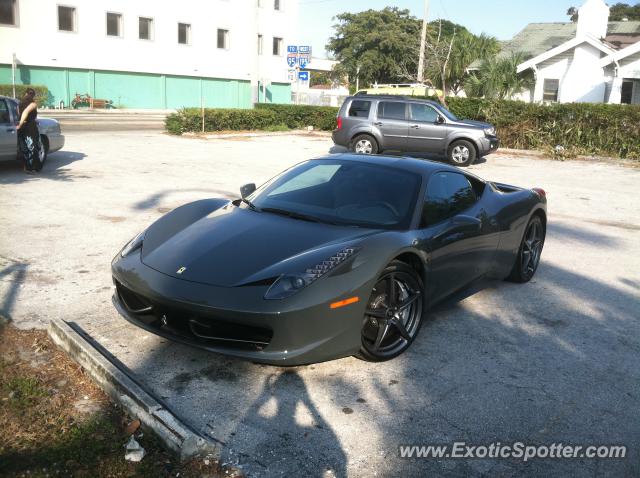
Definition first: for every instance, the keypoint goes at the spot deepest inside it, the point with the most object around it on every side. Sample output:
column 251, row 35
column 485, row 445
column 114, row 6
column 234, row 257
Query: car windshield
column 447, row 113
column 342, row 192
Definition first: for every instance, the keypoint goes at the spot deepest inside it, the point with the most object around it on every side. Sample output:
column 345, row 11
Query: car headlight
column 133, row 244
column 491, row 131
column 289, row 284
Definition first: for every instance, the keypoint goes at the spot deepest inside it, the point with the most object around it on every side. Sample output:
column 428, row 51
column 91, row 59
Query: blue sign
column 303, row 75
column 304, row 60
column 304, row 49
column 292, row 60
column 292, row 49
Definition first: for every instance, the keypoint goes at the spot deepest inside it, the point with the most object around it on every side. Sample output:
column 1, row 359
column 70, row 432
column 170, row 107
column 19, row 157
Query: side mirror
column 247, row 189
column 440, row 120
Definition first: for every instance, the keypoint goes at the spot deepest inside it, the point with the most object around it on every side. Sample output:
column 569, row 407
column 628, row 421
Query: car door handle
column 379, row 123
column 11, row 130
column 415, row 126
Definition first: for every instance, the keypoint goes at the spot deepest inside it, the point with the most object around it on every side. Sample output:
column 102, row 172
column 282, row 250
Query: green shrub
column 190, row 120
column 300, row 116
column 42, row 92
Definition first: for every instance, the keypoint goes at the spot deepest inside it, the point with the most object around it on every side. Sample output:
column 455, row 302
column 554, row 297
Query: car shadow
column 55, row 168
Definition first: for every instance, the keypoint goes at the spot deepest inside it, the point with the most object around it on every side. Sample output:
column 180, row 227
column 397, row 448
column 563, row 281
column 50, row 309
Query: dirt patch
column 113, row 219
column 56, row 422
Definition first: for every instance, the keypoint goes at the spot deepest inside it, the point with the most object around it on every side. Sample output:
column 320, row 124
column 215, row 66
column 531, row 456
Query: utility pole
column 423, row 41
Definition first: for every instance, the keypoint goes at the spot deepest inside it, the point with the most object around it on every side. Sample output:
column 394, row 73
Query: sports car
column 336, row 256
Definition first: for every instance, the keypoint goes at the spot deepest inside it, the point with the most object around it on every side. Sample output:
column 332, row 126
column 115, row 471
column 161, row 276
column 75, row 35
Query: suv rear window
column 360, row 109
column 391, row 110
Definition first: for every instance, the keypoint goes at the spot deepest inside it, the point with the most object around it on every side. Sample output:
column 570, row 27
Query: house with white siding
column 592, row 60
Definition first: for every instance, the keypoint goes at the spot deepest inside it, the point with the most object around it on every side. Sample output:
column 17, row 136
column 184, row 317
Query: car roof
column 395, row 97
column 424, row 167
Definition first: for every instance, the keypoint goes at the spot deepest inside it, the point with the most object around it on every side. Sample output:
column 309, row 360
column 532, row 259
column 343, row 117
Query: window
column 260, row 44
column 448, row 194
column 114, row 24
column 626, row 93
column 8, row 12
column 277, row 46
column 4, row 113
column 13, row 106
column 66, row 19
column 223, row 39
column 423, row 113
column 391, row 110
column 184, row 33
column 145, row 28
column 360, row 109
column 276, row 5
column 550, row 90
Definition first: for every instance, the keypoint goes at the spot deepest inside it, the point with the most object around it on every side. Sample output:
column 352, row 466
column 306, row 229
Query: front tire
column 529, row 253
column 394, row 313
column 364, row 144
column 461, row 153
column 43, row 151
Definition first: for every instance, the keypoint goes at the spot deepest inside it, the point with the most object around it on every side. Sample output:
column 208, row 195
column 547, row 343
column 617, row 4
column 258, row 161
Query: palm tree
column 498, row 77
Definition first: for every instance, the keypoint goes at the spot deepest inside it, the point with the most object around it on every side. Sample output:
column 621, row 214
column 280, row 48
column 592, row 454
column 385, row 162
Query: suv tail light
column 540, row 192
column 339, row 120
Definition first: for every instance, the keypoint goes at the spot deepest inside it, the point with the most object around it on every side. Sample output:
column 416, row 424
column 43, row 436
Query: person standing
column 28, row 134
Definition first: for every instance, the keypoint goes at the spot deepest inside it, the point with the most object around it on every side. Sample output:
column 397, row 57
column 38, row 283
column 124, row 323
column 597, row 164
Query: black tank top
column 30, row 127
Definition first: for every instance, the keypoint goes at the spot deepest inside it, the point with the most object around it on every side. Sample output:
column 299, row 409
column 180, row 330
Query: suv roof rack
column 397, row 97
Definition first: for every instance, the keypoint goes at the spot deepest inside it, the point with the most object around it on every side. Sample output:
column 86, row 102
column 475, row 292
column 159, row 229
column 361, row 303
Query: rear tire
column 364, row 144
column 43, row 151
column 389, row 327
column 461, row 153
column 530, row 251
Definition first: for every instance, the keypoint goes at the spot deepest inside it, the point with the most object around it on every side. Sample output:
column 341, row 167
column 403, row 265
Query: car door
column 458, row 234
column 391, row 121
column 8, row 135
column 427, row 129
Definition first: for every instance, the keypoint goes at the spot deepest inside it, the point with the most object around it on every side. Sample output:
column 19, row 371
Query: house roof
column 537, row 38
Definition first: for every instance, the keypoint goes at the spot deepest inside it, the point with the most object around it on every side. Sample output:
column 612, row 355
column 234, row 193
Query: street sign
column 304, row 60
column 292, row 49
column 303, row 76
column 304, row 49
column 291, row 75
column 292, row 60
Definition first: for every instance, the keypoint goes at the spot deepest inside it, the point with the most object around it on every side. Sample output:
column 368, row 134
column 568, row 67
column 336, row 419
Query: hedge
column 580, row 128
column 42, row 92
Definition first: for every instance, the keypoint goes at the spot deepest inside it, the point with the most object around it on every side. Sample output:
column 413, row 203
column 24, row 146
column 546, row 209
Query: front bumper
column 56, row 141
column 488, row 145
column 237, row 321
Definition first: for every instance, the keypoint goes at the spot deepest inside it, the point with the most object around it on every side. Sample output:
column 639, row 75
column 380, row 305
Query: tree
column 370, row 45
column 497, row 78
column 623, row 10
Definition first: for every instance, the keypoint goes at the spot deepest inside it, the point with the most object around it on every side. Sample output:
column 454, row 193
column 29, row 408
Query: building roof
column 536, row 38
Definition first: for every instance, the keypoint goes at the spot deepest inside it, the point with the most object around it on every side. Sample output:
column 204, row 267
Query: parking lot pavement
column 555, row 360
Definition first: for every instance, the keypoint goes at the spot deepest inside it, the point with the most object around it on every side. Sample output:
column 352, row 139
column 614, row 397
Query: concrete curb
column 258, row 134
column 117, row 381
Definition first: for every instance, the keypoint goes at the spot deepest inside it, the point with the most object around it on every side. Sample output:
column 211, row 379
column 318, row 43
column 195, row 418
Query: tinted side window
column 360, row 109
column 4, row 112
column 447, row 195
column 424, row 113
column 13, row 106
column 391, row 110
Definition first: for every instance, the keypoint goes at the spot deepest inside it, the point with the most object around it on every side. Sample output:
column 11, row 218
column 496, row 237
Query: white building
column 151, row 53
column 593, row 60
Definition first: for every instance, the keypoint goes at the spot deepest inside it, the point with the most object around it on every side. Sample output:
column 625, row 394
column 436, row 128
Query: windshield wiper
column 252, row 206
column 291, row 214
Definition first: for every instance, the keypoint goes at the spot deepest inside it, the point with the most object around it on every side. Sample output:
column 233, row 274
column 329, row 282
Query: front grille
column 197, row 329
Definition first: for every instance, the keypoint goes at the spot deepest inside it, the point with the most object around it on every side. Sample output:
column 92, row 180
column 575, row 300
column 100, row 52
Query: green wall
column 276, row 93
column 142, row 90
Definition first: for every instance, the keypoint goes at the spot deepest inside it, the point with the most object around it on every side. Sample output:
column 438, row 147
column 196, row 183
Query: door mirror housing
column 247, row 190
column 440, row 120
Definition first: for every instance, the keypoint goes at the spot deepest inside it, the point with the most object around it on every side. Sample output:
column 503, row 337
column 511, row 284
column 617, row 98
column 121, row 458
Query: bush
column 301, row 116
column 190, row 120
column 42, row 92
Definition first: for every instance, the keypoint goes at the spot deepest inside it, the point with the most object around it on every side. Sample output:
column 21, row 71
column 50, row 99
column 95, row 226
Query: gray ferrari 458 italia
column 336, row 256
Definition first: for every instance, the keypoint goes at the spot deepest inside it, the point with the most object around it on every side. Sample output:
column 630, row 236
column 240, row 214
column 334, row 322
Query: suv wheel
column 461, row 153
column 364, row 144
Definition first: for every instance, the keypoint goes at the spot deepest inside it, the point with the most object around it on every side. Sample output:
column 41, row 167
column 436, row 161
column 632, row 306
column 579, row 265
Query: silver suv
column 369, row 124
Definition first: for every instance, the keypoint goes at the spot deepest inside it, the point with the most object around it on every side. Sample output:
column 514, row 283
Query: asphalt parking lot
column 555, row 360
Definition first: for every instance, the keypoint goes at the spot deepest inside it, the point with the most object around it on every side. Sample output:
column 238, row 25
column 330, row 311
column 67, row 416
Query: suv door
column 8, row 135
column 459, row 235
column 391, row 121
column 427, row 129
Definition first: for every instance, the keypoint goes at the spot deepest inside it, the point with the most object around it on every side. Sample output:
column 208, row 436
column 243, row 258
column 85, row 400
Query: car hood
column 477, row 124
column 235, row 246
column 48, row 124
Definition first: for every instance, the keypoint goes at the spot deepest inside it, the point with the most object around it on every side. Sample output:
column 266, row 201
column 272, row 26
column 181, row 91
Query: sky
column 500, row 18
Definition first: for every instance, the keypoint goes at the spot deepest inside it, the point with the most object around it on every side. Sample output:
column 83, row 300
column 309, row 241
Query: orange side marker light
column 342, row 303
